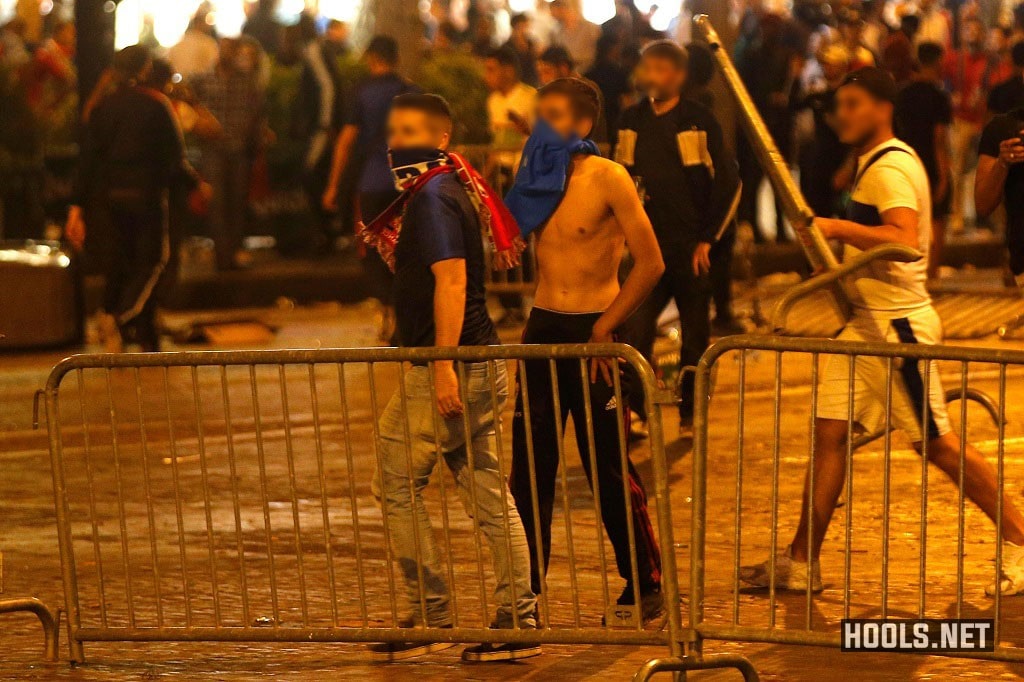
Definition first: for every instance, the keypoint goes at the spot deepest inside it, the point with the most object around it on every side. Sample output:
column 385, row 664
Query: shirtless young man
column 581, row 230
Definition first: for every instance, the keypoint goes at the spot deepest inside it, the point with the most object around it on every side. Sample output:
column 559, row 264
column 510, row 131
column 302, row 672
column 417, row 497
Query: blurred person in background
column 700, row 73
column 935, row 24
column 263, row 26
column 482, row 40
column 132, row 158
column 554, row 63
column 363, row 141
column 964, row 70
column 13, row 47
column 1000, row 180
column 336, row 40
column 875, row 30
column 612, row 79
column 317, row 120
column 898, row 50
column 770, row 70
column 524, row 47
column 1009, row 94
column 823, row 157
column 675, row 150
column 52, row 76
column 851, row 31
column 510, row 109
column 197, row 51
column 575, row 33
column 922, row 117
column 233, row 95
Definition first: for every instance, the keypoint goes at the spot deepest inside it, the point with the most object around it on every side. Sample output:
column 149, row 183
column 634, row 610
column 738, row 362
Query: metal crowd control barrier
column 48, row 618
column 908, row 546
column 226, row 497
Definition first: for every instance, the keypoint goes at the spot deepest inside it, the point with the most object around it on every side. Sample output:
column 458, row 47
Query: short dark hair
column 504, row 55
column 667, row 50
column 557, row 55
column 384, row 48
column 1017, row 52
column 877, row 82
column 520, row 18
column 929, row 53
column 432, row 105
column 583, row 96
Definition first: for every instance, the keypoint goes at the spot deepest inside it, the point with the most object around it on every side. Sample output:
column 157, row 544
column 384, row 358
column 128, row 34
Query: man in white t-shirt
column 510, row 106
column 890, row 203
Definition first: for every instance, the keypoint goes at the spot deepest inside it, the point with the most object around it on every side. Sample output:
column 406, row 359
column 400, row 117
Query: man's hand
column 330, row 199
column 702, row 259
column 603, row 365
column 446, row 388
column 74, row 229
column 1011, row 151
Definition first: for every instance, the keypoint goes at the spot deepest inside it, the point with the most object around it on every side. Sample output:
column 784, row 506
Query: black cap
column 876, row 82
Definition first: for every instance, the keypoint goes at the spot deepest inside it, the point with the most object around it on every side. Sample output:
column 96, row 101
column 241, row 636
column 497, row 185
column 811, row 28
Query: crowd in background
column 262, row 112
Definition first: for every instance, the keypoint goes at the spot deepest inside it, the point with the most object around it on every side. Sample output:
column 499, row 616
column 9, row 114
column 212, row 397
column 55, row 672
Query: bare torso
column 579, row 249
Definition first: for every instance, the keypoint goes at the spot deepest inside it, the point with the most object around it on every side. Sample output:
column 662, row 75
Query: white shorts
column 869, row 384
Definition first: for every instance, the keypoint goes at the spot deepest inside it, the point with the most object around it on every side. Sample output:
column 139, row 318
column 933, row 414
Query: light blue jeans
column 409, row 437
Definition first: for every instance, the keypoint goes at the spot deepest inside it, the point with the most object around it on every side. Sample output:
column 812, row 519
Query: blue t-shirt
column 440, row 223
column 370, row 108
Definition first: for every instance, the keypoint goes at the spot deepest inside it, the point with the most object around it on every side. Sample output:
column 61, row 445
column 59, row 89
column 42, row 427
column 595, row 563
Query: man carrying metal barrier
column 584, row 209
column 890, row 203
column 431, row 237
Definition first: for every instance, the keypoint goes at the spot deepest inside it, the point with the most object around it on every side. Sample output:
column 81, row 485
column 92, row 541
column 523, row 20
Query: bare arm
column 449, row 311
column 899, row 227
column 342, row 152
column 648, row 265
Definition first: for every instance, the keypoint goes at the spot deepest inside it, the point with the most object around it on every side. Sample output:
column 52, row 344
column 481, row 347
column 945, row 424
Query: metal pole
column 795, row 206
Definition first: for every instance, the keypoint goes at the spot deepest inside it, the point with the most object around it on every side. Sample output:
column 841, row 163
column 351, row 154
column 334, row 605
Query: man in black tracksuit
column 132, row 154
column 691, row 184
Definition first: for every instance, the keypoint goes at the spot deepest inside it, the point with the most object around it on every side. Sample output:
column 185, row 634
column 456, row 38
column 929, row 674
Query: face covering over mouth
column 411, row 169
column 543, row 175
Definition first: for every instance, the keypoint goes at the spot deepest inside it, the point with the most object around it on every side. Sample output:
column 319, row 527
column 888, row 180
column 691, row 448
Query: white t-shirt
column 886, row 289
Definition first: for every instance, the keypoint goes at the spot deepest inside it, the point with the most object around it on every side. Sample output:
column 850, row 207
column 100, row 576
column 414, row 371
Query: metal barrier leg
column 687, row 663
column 49, row 618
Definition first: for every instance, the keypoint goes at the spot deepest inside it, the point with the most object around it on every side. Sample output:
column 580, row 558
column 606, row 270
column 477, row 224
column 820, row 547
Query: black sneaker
column 399, row 651
column 513, row 651
column 651, row 602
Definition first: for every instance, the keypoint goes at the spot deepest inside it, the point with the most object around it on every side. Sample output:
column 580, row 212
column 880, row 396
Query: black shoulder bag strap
column 875, row 157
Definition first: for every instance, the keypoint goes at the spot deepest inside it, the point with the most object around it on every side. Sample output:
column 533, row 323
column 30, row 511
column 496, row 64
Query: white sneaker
column 1011, row 579
column 790, row 574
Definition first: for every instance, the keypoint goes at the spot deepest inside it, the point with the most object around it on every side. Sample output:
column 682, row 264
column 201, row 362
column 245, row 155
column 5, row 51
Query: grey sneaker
column 790, row 574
